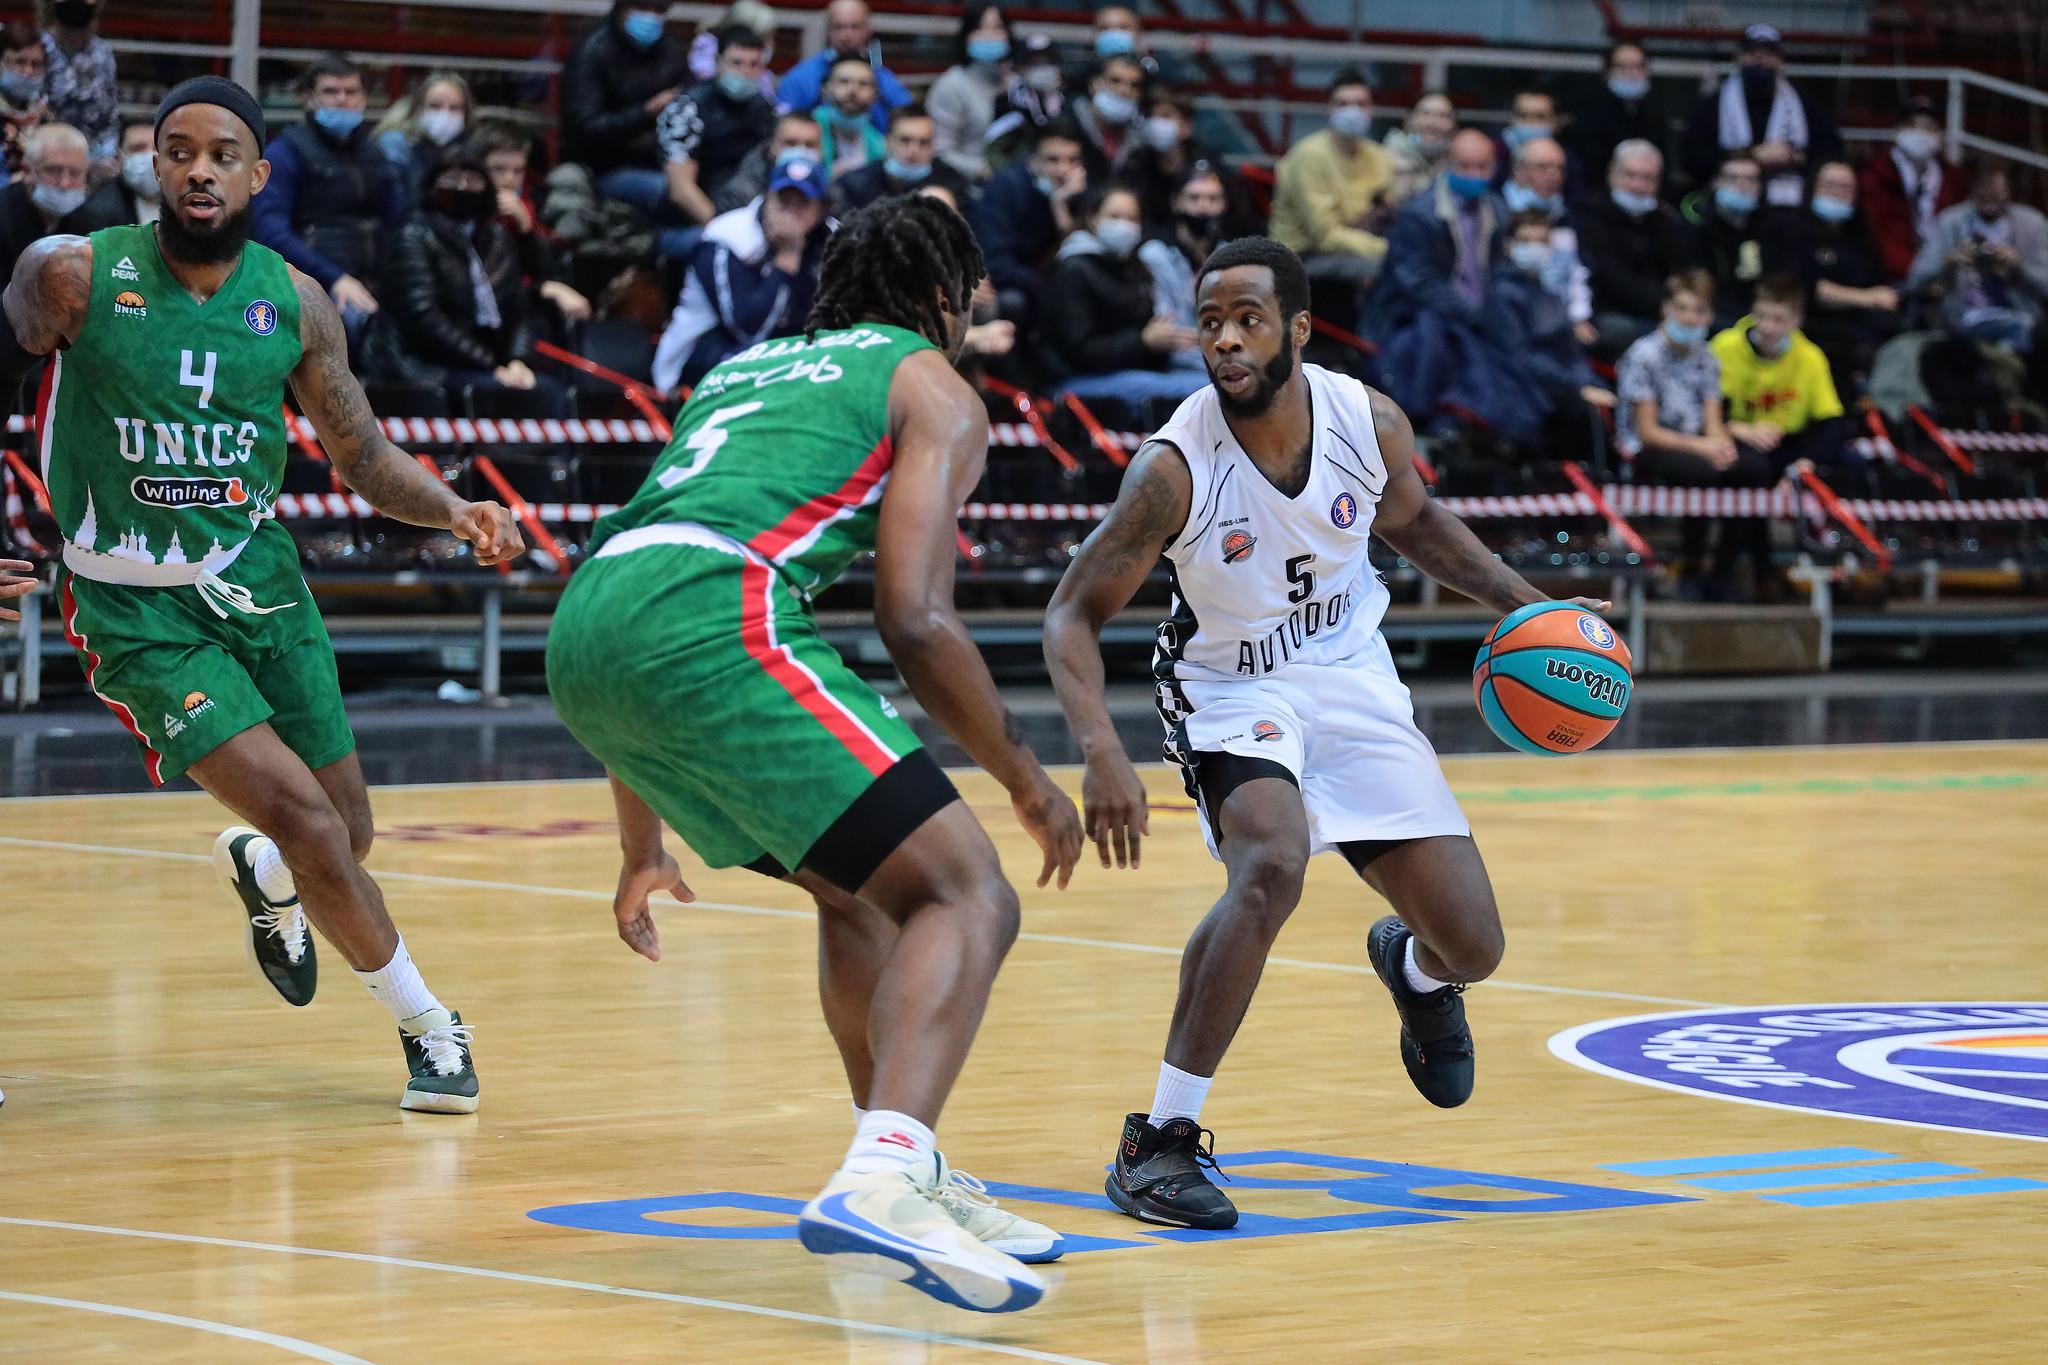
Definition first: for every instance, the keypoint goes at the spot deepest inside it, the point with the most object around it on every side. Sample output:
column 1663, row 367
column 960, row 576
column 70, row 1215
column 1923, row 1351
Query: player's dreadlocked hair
column 892, row 261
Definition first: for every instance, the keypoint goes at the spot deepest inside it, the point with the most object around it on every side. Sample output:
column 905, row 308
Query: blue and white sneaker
column 891, row 1224
column 987, row 1222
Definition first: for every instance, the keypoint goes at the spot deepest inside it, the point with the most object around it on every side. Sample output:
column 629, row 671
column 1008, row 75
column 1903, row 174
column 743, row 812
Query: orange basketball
column 1552, row 678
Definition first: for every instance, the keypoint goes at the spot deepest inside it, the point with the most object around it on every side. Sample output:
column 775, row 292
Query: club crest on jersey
column 197, row 704
column 1265, row 731
column 129, row 304
column 1344, row 510
column 261, row 317
column 1238, row 545
column 124, row 269
column 1597, row 632
column 189, row 492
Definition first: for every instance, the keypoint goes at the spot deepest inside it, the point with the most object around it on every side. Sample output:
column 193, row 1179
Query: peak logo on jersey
column 197, row 704
column 189, row 492
column 124, row 269
column 1344, row 510
column 261, row 317
column 1265, row 731
column 1238, row 545
column 1597, row 632
column 1969, row 1067
column 173, row 726
column 129, row 304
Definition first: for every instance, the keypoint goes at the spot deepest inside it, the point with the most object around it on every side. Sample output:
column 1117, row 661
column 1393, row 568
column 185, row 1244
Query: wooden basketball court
column 190, row 1170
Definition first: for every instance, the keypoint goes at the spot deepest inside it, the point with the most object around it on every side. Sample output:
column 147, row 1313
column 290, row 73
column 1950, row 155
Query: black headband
column 216, row 90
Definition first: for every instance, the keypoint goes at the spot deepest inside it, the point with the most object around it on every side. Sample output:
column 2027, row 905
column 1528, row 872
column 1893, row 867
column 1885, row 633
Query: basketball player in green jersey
column 163, row 445
column 685, row 657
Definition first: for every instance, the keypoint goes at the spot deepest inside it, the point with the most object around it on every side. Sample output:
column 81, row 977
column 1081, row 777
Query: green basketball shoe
column 275, row 936
column 437, row 1053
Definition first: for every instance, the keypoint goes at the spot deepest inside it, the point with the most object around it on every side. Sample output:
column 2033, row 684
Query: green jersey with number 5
column 162, row 428
column 784, row 448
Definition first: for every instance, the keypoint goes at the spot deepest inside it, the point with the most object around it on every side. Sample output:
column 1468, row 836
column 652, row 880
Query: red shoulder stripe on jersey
column 152, row 760
column 828, row 507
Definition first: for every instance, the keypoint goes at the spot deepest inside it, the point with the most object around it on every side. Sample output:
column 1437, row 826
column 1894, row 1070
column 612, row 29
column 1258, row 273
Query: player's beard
column 1275, row 373
column 217, row 245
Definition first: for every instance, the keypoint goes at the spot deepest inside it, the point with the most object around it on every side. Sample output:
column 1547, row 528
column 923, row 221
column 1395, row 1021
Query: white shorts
column 1345, row 731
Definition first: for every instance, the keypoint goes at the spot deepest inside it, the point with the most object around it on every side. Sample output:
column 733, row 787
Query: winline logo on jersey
column 194, row 492
column 1969, row 1067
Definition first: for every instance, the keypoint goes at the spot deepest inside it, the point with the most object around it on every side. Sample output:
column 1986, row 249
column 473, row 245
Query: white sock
column 398, row 988
column 273, row 878
column 889, row 1141
column 1418, row 980
column 858, row 1114
column 1179, row 1094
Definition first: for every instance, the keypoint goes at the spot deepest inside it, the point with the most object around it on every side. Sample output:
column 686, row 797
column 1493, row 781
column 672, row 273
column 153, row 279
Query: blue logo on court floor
column 261, row 317
column 1969, row 1067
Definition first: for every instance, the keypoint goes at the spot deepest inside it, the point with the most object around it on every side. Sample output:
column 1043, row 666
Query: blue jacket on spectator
column 1422, row 262
column 803, row 85
column 734, row 295
column 327, row 203
column 1014, row 224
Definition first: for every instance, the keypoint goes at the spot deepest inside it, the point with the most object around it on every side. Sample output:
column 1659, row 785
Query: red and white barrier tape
column 1999, row 440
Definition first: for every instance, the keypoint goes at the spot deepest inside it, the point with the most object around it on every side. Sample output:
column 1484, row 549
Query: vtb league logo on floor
column 1969, row 1067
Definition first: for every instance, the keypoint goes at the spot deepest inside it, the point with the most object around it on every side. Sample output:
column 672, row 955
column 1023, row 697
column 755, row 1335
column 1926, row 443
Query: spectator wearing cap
column 910, row 163
column 849, row 32
column 752, row 277
column 1419, row 148
column 850, row 140
column 1026, row 211
column 1614, row 112
column 1330, row 190
column 617, row 80
column 1631, row 241
column 1756, row 109
column 1035, row 96
column 963, row 99
column 1906, row 185
column 706, row 133
column 80, row 86
column 1729, row 223
column 794, row 132
column 1827, row 249
column 1987, row 264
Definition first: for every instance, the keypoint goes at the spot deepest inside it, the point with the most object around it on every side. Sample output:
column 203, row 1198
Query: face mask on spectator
column 1465, row 186
column 1043, row 184
column 1919, row 144
column 1833, row 210
column 643, row 26
column 1114, row 42
column 1202, row 225
column 1531, row 256
column 20, row 88
column 1631, row 203
column 904, row 171
column 1686, row 334
column 465, row 206
column 738, row 86
column 1348, row 120
column 1162, row 134
column 1629, row 88
column 1431, row 146
column 1115, row 108
column 1119, row 236
column 74, row 13
column 1044, row 79
column 1519, row 133
column 441, row 126
column 987, row 51
column 55, row 202
column 1758, row 80
column 138, row 173
column 1733, row 202
column 1521, row 198
column 340, row 122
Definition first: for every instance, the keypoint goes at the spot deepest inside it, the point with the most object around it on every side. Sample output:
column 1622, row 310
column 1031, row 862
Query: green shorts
column 183, row 682
column 699, row 679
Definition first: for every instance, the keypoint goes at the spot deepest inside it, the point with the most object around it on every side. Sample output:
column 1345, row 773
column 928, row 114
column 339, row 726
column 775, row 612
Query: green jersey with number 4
column 801, row 481
column 163, row 440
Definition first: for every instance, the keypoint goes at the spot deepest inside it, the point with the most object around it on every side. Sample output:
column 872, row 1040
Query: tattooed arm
column 47, row 298
column 1111, row 565
column 388, row 479
column 1417, row 527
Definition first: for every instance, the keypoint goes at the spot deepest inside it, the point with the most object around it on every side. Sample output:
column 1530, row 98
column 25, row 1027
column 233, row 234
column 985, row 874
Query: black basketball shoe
column 1436, row 1046
column 1158, row 1176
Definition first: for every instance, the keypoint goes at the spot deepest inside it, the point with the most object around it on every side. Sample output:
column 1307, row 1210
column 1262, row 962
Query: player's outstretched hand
column 492, row 529
column 629, row 907
column 1117, row 816
column 1595, row 604
column 14, row 582
column 1048, row 816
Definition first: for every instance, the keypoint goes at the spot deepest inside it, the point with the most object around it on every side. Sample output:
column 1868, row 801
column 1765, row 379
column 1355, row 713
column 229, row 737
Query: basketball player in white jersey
column 1280, row 698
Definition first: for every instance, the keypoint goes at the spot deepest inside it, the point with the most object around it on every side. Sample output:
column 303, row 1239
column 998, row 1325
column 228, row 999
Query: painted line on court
column 554, row 1282
column 220, row 1329
column 771, row 912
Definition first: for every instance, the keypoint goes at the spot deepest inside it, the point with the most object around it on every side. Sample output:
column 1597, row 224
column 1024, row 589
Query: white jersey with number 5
column 1262, row 581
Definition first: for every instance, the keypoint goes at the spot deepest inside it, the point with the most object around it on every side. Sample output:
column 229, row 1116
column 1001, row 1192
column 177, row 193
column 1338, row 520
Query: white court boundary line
column 550, row 1281
column 732, row 908
column 222, row 1329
